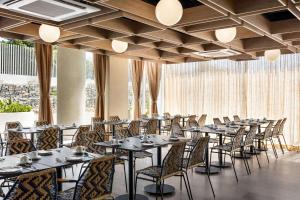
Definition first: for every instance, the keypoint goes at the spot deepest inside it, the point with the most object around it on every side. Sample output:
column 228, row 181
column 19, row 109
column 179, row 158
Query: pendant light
column 168, row 12
column 49, row 33
column 119, row 46
column 225, row 35
column 272, row 55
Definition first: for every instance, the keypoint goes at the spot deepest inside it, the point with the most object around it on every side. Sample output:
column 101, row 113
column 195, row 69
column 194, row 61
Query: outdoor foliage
column 9, row 106
column 18, row 42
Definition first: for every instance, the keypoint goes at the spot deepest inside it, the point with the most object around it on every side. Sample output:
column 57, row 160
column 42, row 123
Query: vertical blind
column 251, row 89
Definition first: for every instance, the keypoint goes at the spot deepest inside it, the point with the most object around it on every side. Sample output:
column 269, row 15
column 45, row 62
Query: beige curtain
column 101, row 63
column 43, row 53
column 137, row 68
column 154, row 75
column 251, row 89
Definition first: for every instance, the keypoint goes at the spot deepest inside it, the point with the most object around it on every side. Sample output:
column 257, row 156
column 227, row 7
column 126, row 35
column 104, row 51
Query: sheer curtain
column 248, row 88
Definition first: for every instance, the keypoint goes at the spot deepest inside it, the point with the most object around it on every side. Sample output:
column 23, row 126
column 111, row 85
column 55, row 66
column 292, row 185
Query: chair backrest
column 197, row 156
column 96, row 180
column 48, row 139
column 236, row 118
column 134, row 127
column 282, row 126
column 226, row 119
column 93, row 137
column 155, row 115
column 172, row 162
column 12, row 125
column 202, row 119
column 79, row 138
column 276, row 128
column 217, row 121
column 19, row 146
column 168, row 120
column 176, row 129
column 41, row 123
column 12, row 135
column 238, row 139
column 99, row 128
column 36, row 185
column 122, row 133
column 151, row 126
column 250, row 135
column 192, row 122
column 176, row 119
column 268, row 130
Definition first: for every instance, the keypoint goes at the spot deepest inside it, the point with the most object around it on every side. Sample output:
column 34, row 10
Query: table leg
column 130, row 195
column 32, row 138
column 113, row 130
column 153, row 189
column 61, row 137
column 183, row 122
column 220, row 162
column 159, row 127
column 59, row 177
column 207, row 168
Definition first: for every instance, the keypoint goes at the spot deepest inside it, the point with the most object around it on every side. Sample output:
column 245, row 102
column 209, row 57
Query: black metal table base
column 204, row 170
column 221, row 165
column 239, row 156
column 152, row 189
column 256, row 152
column 126, row 197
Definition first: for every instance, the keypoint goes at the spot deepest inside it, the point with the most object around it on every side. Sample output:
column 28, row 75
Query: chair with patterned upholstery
column 171, row 166
column 176, row 129
column 192, row 122
column 202, row 120
column 226, row 119
column 79, row 138
column 167, row 123
column 12, row 135
column 36, row 185
column 236, row 118
column 12, row 125
column 231, row 148
column 48, row 139
column 98, row 127
column 151, row 127
column 42, row 123
column 280, row 133
column 196, row 158
column 94, row 183
column 217, row 121
column 275, row 132
column 19, row 146
column 114, row 118
column 134, row 128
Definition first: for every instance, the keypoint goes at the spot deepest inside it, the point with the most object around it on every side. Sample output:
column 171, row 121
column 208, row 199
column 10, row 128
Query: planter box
column 26, row 118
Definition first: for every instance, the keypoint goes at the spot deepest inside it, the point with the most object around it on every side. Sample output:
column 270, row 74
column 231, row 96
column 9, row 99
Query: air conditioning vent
column 56, row 10
column 218, row 53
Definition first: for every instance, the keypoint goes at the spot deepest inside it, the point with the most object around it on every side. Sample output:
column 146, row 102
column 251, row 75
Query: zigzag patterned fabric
column 93, row 137
column 11, row 135
column 151, row 127
column 48, row 139
column 96, row 180
column 197, row 155
column 80, row 135
column 41, row 123
column 99, row 128
column 34, row 186
column 19, row 146
column 11, row 125
column 134, row 127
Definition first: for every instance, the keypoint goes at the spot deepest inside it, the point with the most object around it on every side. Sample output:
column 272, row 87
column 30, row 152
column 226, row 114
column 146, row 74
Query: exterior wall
column 117, row 88
column 70, row 86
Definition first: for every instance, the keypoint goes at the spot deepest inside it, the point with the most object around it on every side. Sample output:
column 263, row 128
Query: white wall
column 70, row 85
column 117, row 88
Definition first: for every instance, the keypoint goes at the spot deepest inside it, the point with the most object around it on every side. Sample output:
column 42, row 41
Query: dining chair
column 231, row 148
column 35, row 185
column 196, row 158
column 99, row 128
column 11, row 135
column 12, row 125
column 226, row 119
column 217, row 121
column 192, row 122
column 19, row 146
column 176, row 129
column 266, row 136
column 151, row 127
column 114, row 118
column 166, row 128
column 48, row 139
column 94, row 183
column 249, row 142
column 42, row 123
column 134, row 128
column 154, row 115
column 79, row 138
column 171, row 166
column 277, row 132
column 202, row 120
column 236, row 118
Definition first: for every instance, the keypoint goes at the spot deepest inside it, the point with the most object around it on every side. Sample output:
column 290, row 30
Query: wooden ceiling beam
column 285, row 26
column 261, row 43
column 211, row 25
column 291, row 36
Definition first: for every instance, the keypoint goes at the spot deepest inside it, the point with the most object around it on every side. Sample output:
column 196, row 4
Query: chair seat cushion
column 152, row 171
column 66, row 195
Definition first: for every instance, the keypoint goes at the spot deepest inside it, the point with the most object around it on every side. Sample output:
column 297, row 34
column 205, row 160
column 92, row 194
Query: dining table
column 113, row 124
column 135, row 144
column 57, row 158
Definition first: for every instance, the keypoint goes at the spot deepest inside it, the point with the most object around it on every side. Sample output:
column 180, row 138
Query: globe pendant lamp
column 49, row 33
column 225, row 35
column 272, row 55
column 119, row 46
column 168, row 12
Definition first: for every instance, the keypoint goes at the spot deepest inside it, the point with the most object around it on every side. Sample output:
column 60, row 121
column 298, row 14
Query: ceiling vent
column 56, row 10
column 218, row 53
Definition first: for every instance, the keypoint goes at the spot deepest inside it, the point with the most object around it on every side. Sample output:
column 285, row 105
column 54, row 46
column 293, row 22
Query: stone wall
column 28, row 94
